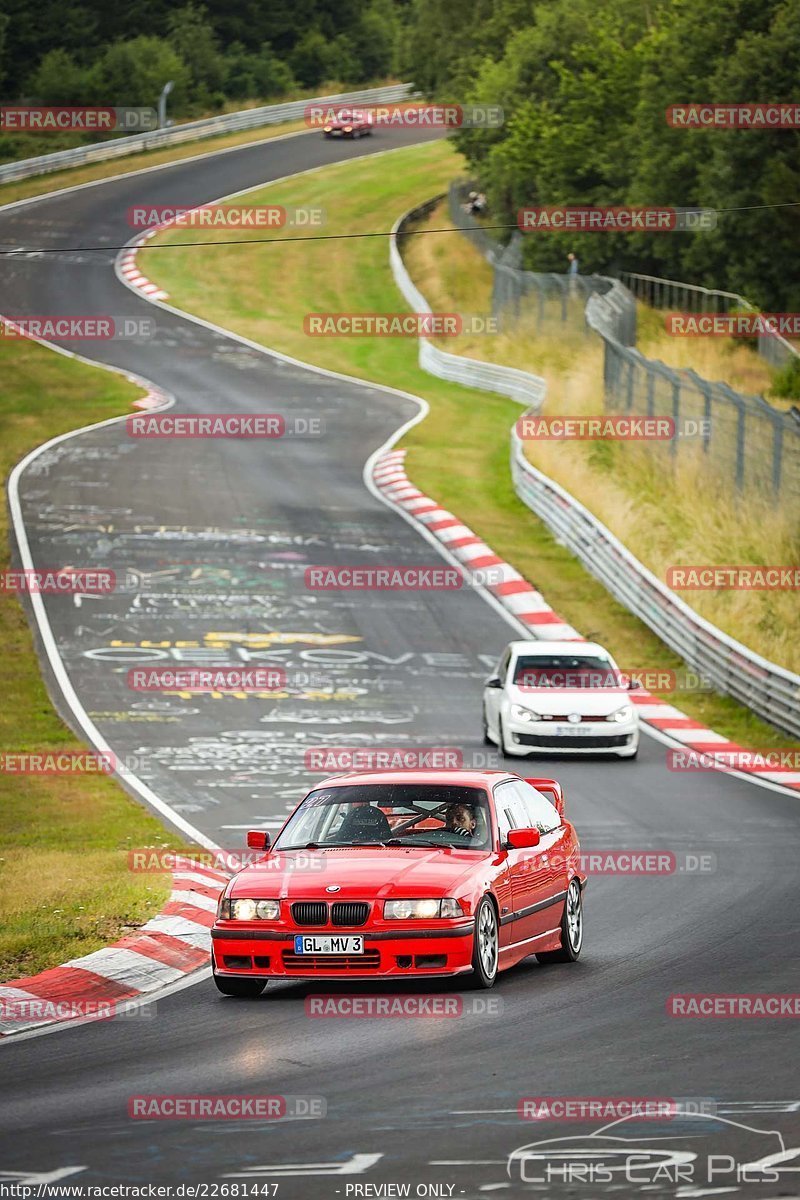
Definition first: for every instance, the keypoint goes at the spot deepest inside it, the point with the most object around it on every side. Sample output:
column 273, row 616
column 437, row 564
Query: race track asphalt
column 213, row 539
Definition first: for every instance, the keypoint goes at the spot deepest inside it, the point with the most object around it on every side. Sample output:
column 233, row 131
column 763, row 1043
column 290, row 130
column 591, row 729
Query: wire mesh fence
column 745, row 442
column 674, row 295
column 543, row 299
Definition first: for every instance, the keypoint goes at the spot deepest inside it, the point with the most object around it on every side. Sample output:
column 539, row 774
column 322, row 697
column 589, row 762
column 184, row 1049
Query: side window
column 542, row 815
column 511, row 812
column 502, row 668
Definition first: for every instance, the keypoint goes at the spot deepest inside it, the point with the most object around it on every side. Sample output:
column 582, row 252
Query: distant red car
column 348, row 122
column 398, row 874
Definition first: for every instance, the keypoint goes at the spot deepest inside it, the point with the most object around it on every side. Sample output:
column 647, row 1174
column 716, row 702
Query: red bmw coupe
column 348, row 123
column 397, row 874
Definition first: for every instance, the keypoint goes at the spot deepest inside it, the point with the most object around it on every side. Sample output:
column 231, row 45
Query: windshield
column 566, row 671
column 404, row 814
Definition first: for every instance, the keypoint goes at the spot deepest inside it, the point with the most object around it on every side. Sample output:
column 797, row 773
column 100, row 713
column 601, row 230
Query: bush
column 59, row 80
column 786, row 382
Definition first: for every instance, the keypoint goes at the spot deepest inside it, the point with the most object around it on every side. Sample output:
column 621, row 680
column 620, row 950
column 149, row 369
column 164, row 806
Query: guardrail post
column 777, row 454
column 676, row 412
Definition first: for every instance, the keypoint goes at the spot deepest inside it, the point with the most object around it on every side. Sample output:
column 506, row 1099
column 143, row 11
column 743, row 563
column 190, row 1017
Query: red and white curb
column 529, row 607
column 153, row 401
column 131, row 273
column 169, row 946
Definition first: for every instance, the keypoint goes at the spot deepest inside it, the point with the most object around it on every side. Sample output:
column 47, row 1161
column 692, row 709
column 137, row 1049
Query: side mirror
column 493, row 681
column 523, row 839
column 257, row 839
column 634, row 685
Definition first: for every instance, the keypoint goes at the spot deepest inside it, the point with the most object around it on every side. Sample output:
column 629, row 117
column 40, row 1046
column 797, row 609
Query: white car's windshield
column 404, row 814
column 566, row 671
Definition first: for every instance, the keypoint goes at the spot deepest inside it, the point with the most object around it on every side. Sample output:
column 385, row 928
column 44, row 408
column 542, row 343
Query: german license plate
column 343, row 944
column 572, row 731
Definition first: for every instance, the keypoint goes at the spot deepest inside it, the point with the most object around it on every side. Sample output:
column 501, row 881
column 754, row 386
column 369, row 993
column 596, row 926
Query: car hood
column 358, row 873
column 560, row 702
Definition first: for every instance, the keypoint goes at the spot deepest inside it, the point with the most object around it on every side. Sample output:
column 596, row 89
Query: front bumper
column 388, row 954
column 588, row 737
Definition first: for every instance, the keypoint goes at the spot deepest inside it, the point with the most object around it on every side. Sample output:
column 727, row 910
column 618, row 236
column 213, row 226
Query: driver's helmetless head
column 461, row 817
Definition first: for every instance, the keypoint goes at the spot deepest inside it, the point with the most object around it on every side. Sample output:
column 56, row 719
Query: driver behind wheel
column 461, row 819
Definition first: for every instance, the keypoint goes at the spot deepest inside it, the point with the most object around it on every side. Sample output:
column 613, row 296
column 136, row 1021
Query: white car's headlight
column 519, row 713
column 406, row 910
column 250, row 910
column 622, row 714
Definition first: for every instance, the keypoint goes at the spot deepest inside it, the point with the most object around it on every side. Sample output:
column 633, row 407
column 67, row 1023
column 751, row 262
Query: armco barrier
column 251, row 118
column 488, row 377
column 769, row 690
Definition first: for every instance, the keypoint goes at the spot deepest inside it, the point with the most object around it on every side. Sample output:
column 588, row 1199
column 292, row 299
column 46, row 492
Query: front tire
column 243, row 989
column 501, row 736
column 485, row 945
column 571, row 929
column 487, row 737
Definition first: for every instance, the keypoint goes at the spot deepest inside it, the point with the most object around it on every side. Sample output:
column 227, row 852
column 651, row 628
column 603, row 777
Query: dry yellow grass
column 666, row 514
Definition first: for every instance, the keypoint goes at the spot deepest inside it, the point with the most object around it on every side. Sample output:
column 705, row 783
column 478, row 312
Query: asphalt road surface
column 212, row 539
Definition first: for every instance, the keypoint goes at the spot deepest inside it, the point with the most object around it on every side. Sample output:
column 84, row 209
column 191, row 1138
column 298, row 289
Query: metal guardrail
column 488, row 377
column 769, row 690
column 251, row 118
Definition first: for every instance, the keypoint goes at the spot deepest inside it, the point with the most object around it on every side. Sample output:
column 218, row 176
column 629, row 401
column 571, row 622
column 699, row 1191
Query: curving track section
column 213, row 538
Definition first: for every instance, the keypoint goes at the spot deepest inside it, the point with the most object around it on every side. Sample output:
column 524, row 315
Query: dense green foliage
column 585, row 87
column 217, row 53
column 584, row 84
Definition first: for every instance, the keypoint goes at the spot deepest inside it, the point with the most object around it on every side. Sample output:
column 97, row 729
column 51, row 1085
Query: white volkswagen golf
column 560, row 697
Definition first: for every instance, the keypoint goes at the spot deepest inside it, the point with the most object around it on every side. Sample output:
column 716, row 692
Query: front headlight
column 622, row 714
column 328, row 128
column 406, row 910
column 518, row 713
column 250, row 910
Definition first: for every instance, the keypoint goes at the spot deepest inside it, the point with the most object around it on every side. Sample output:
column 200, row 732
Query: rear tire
column 243, row 989
column 485, row 945
column 571, row 929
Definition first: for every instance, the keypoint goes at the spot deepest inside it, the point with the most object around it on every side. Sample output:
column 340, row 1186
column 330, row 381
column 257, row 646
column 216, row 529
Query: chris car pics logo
column 708, row 1152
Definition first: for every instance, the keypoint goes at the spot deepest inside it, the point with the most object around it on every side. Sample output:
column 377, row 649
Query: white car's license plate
column 344, row 944
column 571, row 730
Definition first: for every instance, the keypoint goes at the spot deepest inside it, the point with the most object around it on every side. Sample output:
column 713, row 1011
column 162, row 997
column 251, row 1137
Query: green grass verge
column 459, row 455
column 65, row 887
